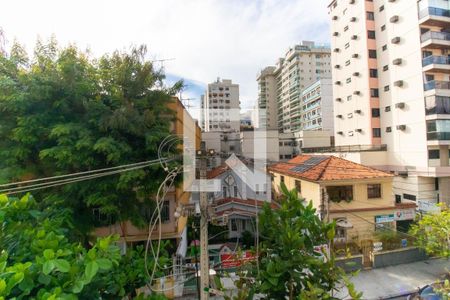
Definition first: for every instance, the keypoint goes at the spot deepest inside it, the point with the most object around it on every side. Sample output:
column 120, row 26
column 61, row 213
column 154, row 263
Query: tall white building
column 280, row 87
column 221, row 107
column 391, row 72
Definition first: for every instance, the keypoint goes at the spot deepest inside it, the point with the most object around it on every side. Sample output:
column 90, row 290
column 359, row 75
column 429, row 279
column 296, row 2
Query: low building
column 357, row 197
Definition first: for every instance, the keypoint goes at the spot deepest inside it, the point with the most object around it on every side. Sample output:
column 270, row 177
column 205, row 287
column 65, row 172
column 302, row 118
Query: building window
column 235, row 188
column 375, row 112
column 298, row 186
column 282, row 178
column 370, row 15
column 234, row 226
column 433, row 154
column 384, row 48
column 409, row 197
column 224, row 191
column 373, row 191
column 372, row 53
column 371, row 34
column 165, row 212
column 374, row 93
column 376, row 132
column 373, row 73
column 339, row 193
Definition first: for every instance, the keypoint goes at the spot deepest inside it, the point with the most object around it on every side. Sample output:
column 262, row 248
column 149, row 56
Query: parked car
column 427, row 292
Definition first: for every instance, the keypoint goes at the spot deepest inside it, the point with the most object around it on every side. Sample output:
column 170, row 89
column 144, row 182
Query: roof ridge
column 325, row 167
column 360, row 165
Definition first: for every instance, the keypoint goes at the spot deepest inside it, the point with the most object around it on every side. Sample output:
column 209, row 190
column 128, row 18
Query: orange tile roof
column 325, row 168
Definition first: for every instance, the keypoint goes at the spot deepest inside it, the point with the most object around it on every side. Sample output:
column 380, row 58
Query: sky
column 203, row 39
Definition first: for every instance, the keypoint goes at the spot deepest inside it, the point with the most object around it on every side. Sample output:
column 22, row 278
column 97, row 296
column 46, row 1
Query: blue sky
column 231, row 39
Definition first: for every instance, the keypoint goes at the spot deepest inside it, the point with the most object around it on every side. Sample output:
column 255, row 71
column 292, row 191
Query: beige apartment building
column 221, row 107
column 391, row 88
column 280, row 86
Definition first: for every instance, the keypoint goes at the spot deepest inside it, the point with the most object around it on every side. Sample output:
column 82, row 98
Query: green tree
column 432, row 233
column 64, row 112
column 37, row 261
column 290, row 267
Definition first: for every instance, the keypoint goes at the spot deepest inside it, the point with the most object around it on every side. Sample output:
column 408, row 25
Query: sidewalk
column 398, row 280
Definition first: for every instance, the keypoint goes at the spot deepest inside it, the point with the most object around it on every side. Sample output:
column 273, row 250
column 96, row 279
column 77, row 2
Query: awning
column 344, row 223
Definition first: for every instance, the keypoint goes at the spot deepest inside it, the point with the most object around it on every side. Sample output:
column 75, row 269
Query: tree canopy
column 64, row 111
column 37, row 260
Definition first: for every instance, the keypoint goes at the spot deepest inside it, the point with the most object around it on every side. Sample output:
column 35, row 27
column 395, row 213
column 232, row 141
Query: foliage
column 289, row 265
column 392, row 239
column 248, row 240
column 432, row 233
column 65, row 112
column 39, row 262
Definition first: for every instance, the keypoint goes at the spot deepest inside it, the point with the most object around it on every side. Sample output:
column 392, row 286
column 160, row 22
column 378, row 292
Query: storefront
column 404, row 218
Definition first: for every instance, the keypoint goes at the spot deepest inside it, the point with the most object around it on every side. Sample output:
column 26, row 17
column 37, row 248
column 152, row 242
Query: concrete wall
column 398, row 257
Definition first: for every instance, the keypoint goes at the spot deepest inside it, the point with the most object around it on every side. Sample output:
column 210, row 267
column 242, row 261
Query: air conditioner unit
column 401, row 127
column 353, row 19
column 398, row 83
column 336, row 50
column 394, row 19
column 335, row 18
column 351, row 1
column 357, row 111
column 340, row 132
column 337, row 66
column 339, row 116
column 356, row 93
column 402, row 173
column 356, row 55
column 339, row 99
column 335, row 33
column 358, row 130
column 400, row 105
column 337, row 82
column 356, row 74
column 396, row 40
column 354, row 37
column 397, row 61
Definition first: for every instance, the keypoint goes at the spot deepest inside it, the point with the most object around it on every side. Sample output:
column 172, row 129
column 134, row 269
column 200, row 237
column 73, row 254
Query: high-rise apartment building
column 391, row 87
column 221, row 107
column 281, row 86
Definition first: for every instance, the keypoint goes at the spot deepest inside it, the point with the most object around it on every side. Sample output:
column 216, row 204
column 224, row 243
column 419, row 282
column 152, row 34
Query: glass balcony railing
column 437, row 105
column 441, row 60
column 435, row 35
column 438, row 85
column 438, row 136
column 434, row 11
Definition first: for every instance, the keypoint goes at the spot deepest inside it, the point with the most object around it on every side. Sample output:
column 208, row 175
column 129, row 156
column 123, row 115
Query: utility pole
column 204, row 255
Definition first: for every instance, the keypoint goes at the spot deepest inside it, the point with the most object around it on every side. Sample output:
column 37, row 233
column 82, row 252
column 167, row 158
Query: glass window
column 371, row 34
column 372, row 53
column 234, row 225
column 298, row 186
column 340, row 193
column 373, row 191
column 282, row 178
column 376, row 132
column 374, row 93
column 373, row 73
column 433, row 154
column 375, row 112
column 370, row 15
column 235, row 188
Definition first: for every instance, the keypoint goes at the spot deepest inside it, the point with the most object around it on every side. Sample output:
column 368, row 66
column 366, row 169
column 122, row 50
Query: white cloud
column 209, row 38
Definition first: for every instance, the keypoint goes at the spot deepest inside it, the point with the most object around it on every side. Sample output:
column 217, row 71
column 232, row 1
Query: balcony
column 435, row 87
column 437, row 105
column 433, row 16
column 438, row 136
column 436, row 64
column 435, row 40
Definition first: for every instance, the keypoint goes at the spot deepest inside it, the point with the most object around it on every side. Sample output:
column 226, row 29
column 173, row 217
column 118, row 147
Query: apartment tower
column 281, row 86
column 390, row 66
column 221, row 107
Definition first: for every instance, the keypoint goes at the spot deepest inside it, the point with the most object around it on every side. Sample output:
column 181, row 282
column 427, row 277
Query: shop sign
column 385, row 218
column 407, row 214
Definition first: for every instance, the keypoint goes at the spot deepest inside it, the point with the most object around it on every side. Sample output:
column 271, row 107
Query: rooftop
column 325, row 168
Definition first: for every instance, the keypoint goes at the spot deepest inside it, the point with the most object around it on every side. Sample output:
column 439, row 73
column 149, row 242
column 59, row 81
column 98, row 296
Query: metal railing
column 435, row 35
column 434, row 11
column 438, row 85
column 441, row 60
column 350, row 148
